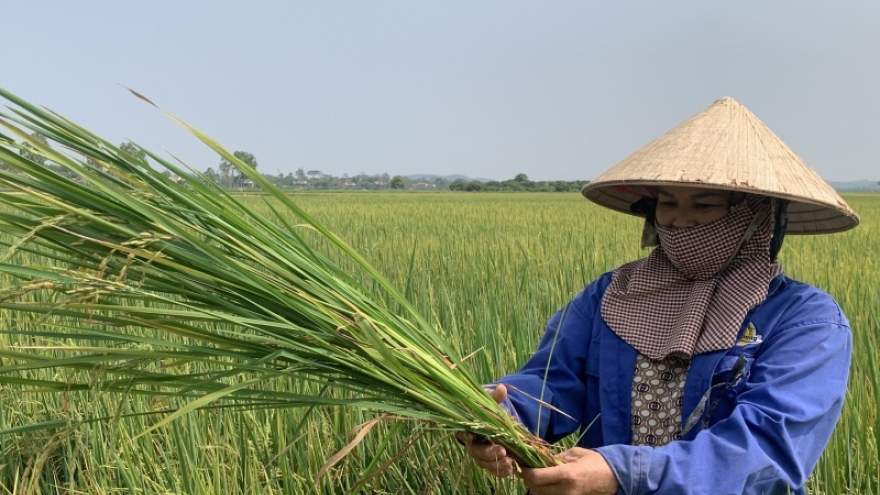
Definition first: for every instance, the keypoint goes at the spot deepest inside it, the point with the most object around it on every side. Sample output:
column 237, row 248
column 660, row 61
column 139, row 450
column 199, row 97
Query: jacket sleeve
column 547, row 394
column 780, row 424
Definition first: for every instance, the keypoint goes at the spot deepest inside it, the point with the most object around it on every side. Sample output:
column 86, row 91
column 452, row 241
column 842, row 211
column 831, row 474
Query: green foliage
column 133, row 150
column 458, row 185
column 520, row 183
column 398, row 182
column 212, row 175
column 231, row 174
column 27, row 150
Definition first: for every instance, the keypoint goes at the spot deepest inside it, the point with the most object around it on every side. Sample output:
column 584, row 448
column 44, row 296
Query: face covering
column 691, row 294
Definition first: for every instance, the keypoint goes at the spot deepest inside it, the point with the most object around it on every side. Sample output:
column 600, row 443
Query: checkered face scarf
column 682, row 299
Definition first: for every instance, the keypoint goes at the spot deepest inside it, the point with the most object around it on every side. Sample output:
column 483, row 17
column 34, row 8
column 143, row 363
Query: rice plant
column 176, row 290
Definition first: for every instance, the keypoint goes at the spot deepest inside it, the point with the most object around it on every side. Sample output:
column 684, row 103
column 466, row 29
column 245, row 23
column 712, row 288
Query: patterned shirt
column 656, row 399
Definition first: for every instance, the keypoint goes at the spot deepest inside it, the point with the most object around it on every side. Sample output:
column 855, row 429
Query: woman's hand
column 585, row 472
column 491, row 457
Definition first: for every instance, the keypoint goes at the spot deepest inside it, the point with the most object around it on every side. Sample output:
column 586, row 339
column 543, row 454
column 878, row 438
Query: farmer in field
column 701, row 368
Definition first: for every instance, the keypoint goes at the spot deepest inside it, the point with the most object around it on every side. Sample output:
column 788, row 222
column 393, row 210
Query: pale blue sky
column 557, row 90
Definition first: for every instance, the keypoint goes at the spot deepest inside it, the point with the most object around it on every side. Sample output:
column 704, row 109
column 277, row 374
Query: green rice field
column 489, row 269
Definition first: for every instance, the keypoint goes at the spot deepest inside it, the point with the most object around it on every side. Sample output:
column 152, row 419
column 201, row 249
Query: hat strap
column 648, row 207
column 780, row 225
column 750, row 231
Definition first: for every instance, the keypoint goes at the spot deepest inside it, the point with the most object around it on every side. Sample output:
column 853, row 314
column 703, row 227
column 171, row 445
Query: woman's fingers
column 486, row 451
column 491, row 457
column 499, row 393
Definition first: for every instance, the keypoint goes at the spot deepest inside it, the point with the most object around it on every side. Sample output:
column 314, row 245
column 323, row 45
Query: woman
column 700, row 368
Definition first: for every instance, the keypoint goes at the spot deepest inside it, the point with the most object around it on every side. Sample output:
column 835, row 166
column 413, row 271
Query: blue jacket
column 766, row 430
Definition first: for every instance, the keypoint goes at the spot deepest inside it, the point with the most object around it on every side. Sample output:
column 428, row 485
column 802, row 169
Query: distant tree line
column 520, row 182
column 317, row 180
column 228, row 176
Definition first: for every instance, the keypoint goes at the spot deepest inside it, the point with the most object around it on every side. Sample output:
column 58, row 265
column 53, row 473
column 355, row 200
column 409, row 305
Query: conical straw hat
column 726, row 147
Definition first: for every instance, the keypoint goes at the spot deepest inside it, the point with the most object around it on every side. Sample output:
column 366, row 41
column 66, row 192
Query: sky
column 556, row 90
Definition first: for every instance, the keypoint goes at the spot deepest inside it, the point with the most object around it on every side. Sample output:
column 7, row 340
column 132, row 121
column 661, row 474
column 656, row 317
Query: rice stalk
column 145, row 277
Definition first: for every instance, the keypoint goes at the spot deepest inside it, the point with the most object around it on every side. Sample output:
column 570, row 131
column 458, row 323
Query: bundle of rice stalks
column 129, row 249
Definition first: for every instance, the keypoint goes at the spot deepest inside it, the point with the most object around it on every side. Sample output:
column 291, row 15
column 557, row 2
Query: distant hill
column 855, row 185
column 450, row 178
column 840, row 186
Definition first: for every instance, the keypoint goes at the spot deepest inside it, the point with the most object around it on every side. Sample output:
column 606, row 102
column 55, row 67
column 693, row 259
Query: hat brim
column 804, row 217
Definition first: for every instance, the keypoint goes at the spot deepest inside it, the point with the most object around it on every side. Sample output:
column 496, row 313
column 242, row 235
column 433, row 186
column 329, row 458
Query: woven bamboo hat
column 726, row 147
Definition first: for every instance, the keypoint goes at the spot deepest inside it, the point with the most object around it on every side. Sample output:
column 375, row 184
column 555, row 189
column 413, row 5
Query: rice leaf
column 145, row 278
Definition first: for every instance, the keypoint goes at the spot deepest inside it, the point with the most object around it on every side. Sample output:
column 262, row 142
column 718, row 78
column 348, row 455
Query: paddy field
column 487, row 268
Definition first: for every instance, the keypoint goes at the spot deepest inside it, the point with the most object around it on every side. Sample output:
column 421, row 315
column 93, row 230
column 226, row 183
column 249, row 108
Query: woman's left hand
column 585, row 472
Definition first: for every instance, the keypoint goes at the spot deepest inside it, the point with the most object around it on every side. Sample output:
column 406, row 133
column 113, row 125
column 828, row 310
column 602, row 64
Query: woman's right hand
column 491, row 457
